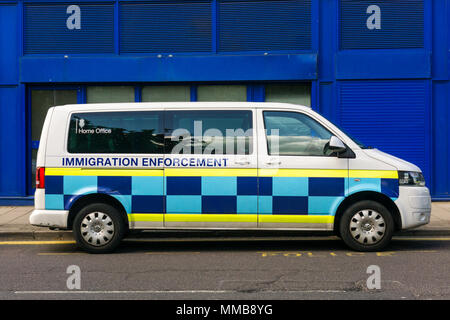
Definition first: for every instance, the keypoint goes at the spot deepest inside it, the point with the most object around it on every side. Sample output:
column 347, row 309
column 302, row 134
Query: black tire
column 377, row 216
column 115, row 221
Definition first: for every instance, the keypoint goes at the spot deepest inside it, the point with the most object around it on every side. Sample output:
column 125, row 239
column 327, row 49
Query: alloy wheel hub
column 367, row 226
column 97, row 228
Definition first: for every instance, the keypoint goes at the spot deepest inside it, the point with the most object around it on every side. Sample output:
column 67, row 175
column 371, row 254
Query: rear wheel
column 366, row 226
column 99, row 228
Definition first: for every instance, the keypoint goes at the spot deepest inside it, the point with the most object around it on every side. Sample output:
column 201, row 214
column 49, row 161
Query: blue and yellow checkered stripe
column 217, row 192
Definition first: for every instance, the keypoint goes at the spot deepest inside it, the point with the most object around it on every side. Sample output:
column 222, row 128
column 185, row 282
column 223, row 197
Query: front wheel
column 99, row 228
column 367, row 226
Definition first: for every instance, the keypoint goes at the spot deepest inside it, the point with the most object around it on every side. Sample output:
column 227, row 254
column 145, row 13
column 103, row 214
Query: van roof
column 169, row 105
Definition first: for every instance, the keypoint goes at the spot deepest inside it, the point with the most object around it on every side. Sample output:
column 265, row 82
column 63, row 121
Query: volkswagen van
column 105, row 169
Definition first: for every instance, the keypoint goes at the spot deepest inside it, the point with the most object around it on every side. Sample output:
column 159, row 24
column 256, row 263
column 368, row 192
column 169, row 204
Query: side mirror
column 336, row 145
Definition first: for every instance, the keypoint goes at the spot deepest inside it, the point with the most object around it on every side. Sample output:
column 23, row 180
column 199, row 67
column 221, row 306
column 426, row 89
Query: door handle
column 242, row 163
column 271, row 163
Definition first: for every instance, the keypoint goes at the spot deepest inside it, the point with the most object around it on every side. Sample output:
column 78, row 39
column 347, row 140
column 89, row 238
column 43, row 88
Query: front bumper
column 49, row 218
column 414, row 204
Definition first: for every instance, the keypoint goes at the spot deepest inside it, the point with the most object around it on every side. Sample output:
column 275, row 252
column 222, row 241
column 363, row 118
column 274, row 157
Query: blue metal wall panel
column 441, row 40
column 12, row 143
column 46, row 31
column 326, row 101
column 327, row 36
column 179, row 68
column 446, row 25
column 264, row 25
column 8, row 44
column 402, row 25
column 365, row 64
column 166, row 27
column 441, row 139
column 393, row 116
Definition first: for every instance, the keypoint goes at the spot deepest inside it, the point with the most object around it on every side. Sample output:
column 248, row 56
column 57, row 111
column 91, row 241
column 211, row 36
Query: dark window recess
column 116, row 132
column 209, row 132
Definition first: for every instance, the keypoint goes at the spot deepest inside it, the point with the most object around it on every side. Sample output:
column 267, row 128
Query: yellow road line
column 422, row 239
column 59, row 253
column 218, row 239
column 171, row 253
column 34, row 242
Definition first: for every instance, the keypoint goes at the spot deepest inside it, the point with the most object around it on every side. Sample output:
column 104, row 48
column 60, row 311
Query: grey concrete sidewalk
column 14, row 224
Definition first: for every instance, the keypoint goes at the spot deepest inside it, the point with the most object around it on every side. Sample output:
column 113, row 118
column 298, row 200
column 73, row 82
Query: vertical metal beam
column 138, row 94
column 193, row 92
column 214, row 26
column 116, row 27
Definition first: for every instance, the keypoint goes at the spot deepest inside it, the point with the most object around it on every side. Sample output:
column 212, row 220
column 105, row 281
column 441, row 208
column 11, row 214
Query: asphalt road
column 227, row 268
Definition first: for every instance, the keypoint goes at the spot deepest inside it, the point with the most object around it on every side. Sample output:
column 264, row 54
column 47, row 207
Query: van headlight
column 411, row 178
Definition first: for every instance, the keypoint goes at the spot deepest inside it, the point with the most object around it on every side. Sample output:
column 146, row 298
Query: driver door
column 301, row 183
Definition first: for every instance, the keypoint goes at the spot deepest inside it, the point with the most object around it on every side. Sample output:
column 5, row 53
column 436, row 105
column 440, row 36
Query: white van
column 104, row 169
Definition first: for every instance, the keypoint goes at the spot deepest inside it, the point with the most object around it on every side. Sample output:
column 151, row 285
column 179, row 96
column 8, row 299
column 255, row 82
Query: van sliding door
column 210, row 169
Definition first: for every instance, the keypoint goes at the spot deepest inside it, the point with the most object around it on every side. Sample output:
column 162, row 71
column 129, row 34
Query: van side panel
column 39, row 196
column 40, row 160
column 64, row 186
column 211, row 197
column 69, row 177
column 300, row 198
column 57, row 134
column 381, row 181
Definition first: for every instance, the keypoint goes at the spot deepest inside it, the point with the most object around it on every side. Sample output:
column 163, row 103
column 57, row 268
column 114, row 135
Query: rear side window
column 209, row 132
column 116, row 132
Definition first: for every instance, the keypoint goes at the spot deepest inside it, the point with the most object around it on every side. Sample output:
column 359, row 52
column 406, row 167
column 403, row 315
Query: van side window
column 294, row 134
column 116, row 132
column 209, row 132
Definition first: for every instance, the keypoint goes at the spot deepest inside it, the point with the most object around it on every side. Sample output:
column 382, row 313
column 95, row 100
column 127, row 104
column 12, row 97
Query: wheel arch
column 85, row 200
column 368, row 195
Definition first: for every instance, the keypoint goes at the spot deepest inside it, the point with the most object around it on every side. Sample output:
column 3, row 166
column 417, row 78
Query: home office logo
column 81, row 123
column 79, row 127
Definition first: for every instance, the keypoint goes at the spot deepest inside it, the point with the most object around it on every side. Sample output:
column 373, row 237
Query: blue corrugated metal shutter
column 166, row 26
column 45, row 29
column 264, row 25
column 402, row 25
column 392, row 116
